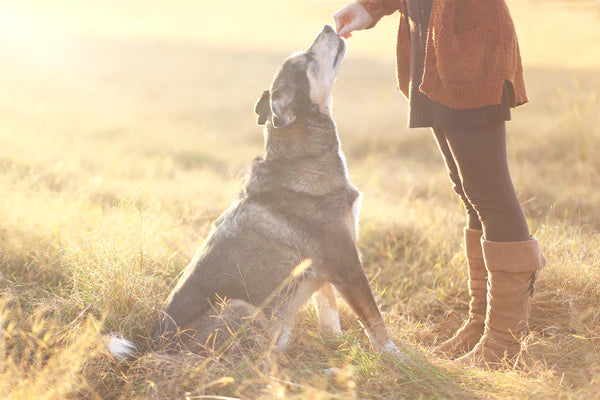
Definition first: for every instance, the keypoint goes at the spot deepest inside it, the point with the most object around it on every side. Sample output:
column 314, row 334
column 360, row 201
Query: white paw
column 391, row 349
column 284, row 337
column 329, row 320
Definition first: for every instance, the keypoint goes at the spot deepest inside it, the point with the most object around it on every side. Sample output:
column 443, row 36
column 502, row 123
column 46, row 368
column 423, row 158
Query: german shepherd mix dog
column 296, row 205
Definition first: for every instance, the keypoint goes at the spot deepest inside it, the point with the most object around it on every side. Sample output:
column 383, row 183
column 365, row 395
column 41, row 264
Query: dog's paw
column 393, row 351
column 280, row 335
column 329, row 321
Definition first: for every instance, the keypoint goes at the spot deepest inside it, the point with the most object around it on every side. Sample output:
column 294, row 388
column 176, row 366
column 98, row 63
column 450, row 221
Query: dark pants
column 478, row 168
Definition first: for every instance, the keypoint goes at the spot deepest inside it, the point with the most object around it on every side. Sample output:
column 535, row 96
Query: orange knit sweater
column 472, row 49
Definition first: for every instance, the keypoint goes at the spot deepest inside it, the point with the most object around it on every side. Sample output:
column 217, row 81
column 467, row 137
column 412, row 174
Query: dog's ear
column 282, row 107
column 263, row 107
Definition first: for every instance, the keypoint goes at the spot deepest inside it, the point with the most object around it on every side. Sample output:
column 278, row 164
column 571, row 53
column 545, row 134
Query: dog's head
column 302, row 86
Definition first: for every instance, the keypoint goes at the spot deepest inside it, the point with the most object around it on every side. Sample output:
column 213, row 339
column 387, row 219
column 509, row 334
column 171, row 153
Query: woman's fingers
column 340, row 21
column 351, row 18
column 343, row 16
column 345, row 31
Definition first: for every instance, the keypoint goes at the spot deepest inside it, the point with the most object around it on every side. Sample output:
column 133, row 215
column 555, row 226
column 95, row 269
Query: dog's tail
column 122, row 348
column 164, row 335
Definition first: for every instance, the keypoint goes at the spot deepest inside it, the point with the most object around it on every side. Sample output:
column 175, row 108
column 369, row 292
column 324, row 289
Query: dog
column 296, row 208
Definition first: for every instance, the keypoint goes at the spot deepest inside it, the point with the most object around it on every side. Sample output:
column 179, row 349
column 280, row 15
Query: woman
column 459, row 65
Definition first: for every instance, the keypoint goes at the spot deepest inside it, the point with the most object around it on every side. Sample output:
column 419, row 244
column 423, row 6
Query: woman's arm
column 363, row 14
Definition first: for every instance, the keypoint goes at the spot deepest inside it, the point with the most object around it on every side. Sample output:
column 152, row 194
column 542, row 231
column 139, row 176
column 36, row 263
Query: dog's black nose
column 328, row 29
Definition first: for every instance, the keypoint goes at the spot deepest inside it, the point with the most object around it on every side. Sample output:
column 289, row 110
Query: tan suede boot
column 512, row 271
column 469, row 334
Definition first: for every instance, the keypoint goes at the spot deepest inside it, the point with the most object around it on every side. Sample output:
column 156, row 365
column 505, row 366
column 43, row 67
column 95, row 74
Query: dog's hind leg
column 283, row 329
column 327, row 310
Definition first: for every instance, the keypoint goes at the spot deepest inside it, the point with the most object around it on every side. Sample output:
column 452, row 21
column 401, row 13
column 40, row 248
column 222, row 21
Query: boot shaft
column 512, row 270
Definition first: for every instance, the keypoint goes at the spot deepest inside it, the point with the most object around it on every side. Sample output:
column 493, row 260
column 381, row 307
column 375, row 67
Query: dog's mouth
column 340, row 52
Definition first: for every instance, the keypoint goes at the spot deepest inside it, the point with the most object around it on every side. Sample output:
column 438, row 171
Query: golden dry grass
column 124, row 129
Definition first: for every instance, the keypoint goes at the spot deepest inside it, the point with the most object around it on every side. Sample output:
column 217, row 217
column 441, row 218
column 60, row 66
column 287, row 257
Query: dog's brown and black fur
column 296, row 204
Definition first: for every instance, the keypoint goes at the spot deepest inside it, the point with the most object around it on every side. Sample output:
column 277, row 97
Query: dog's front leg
column 354, row 288
column 327, row 310
column 283, row 329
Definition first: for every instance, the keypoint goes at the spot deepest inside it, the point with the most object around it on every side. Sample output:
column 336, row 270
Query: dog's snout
column 327, row 29
column 328, row 46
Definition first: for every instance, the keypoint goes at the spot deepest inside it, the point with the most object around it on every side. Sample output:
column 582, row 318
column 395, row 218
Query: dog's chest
column 352, row 212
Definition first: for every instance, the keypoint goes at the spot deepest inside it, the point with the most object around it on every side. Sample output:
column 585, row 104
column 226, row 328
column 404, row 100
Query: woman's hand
column 353, row 17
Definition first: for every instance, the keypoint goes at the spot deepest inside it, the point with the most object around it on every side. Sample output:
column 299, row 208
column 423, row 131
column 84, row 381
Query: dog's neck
column 305, row 138
column 306, row 158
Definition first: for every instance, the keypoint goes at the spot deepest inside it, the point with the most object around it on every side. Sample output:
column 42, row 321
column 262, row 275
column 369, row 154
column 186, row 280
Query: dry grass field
column 125, row 127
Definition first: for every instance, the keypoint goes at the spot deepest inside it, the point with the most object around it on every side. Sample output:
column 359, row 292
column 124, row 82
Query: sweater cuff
column 379, row 8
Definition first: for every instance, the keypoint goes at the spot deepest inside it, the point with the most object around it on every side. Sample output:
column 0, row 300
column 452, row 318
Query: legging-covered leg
column 473, row 221
column 479, row 154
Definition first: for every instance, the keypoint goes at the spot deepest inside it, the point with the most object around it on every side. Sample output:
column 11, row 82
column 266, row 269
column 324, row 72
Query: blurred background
column 112, row 86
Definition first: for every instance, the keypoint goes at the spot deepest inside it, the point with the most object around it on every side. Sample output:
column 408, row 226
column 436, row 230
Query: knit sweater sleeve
column 380, row 8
